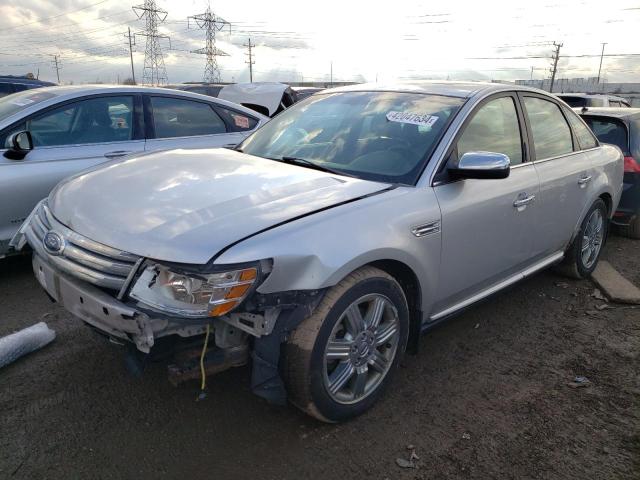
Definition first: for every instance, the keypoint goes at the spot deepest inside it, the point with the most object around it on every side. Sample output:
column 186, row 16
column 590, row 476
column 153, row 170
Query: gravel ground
column 486, row 397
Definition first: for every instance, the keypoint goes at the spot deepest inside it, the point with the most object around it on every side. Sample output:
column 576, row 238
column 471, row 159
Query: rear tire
column 339, row 360
column 581, row 258
column 632, row 230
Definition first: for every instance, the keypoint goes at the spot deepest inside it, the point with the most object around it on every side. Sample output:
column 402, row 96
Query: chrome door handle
column 584, row 180
column 522, row 202
column 117, row 153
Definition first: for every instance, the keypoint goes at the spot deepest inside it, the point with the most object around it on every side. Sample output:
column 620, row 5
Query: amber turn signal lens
column 248, row 274
column 238, row 291
column 223, row 308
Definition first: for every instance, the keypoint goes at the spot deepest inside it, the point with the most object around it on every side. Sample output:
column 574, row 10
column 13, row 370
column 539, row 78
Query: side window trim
column 452, row 151
column 574, row 142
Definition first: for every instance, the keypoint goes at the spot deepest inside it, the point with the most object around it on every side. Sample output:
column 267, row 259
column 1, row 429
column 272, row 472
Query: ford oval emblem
column 53, row 243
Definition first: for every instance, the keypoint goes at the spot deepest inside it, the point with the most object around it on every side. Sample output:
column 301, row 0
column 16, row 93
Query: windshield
column 380, row 136
column 12, row 104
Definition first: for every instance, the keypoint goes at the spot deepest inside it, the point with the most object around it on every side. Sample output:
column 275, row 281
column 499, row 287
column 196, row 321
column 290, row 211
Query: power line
column 210, row 23
column 251, row 61
column 154, row 72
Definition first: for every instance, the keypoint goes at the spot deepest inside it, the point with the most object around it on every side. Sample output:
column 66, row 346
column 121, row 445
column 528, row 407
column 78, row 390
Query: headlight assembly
column 193, row 294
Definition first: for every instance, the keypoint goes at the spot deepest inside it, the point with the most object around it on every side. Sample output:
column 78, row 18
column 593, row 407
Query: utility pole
column 554, row 68
column 531, row 74
column 251, row 61
column 210, row 23
column 131, row 43
column 154, row 72
column 57, row 66
column 331, row 73
column 601, row 56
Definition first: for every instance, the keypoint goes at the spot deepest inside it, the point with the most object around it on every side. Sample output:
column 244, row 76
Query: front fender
column 319, row 250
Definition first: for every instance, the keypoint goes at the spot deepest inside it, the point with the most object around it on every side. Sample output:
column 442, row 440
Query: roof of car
column 448, row 88
column 616, row 112
column 589, row 95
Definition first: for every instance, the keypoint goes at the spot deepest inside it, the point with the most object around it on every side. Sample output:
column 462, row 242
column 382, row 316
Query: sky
column 372, row 40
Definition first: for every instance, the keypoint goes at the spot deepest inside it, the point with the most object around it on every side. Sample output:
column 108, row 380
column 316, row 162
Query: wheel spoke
column 586, row 255
column 355, row 322
column 375, row 312
column 338, row 349
column 385, row 332
column 340, row 376
column 360, row 382
column 378, row 362
column 599, row 223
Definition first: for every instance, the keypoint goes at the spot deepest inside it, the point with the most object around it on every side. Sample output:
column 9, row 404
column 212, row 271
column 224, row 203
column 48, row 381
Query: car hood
column 186, row 205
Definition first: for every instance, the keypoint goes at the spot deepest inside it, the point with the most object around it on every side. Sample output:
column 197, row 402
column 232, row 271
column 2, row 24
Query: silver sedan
column 73, row 128
column 334, row 235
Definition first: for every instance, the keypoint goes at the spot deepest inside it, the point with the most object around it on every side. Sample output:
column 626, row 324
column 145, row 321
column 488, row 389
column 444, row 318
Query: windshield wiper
column 316, row 166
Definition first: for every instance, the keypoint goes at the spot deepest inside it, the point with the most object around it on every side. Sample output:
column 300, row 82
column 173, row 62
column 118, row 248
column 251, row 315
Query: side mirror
column 481, row 165
column 20, row 144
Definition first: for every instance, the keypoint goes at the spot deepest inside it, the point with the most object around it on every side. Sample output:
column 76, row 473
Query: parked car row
column 326, row 241
column 267, row 98
column 69, row 129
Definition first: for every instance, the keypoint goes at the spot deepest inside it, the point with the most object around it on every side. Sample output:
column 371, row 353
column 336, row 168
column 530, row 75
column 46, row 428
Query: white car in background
column 51, row 133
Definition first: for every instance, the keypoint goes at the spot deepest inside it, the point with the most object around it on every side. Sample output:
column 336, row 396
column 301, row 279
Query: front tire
column 581, row 258
column 339, row 360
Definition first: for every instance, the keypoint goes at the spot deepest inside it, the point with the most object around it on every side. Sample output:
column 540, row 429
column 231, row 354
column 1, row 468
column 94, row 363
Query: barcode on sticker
column 412, row 118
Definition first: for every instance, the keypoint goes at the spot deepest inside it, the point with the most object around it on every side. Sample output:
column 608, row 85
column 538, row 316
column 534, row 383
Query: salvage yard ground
column 488, row 396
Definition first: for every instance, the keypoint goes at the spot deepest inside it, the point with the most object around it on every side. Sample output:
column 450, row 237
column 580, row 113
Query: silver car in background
column 77, row 127
column 334, row 235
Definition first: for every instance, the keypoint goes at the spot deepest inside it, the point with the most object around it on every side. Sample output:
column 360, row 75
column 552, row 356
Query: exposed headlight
column 193, row 295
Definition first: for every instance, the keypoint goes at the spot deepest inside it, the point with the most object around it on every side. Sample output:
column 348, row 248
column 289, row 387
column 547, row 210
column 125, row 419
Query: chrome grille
column 82, row 257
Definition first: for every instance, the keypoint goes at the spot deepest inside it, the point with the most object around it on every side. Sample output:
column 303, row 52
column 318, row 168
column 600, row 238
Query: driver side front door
column 487, row 224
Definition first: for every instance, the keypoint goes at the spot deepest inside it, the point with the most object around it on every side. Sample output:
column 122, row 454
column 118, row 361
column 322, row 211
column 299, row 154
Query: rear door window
column 237, row 122
column 583, row 134
column 609, row 130
column 176, row 117
column 575, row 101
column 5, row 89
column 551, row 132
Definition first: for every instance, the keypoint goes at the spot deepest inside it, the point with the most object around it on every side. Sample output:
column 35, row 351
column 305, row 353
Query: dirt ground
column 486, row 397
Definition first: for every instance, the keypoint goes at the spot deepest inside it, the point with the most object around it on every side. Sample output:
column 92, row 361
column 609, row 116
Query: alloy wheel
column 592, row 238
column 361, row 348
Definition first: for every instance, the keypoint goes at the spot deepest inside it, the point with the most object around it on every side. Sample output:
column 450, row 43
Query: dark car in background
column 304, row 92
column 203, row 88
column 621, row 127
column 576, row 100
column 10, row 84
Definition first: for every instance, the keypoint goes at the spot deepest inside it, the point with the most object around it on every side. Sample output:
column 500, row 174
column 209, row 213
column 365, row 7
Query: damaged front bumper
column 104, row 312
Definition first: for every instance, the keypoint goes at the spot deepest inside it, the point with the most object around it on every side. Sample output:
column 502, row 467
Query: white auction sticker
column 412, row 118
